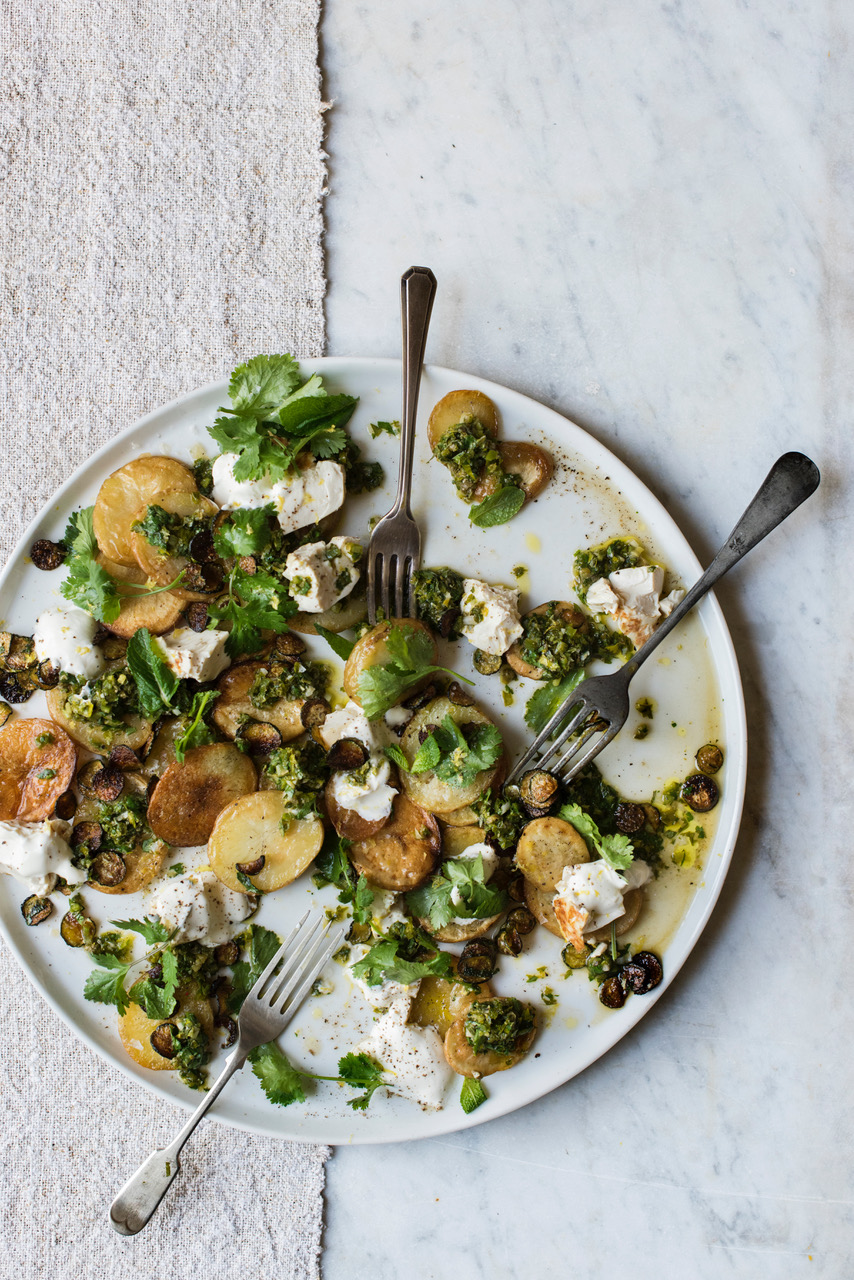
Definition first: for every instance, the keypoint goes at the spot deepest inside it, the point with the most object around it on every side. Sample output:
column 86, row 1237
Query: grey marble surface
column 640, row 214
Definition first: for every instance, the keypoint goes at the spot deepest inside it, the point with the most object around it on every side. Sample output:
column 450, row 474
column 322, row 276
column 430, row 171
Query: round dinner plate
column 694, row 685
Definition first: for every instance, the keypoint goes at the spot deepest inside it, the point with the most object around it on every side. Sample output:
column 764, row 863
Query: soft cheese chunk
column 36, row 853
column 65, row 637
column 194, row 655
column 590, row 895
column 633, row 598
column 199, row 907
column 298, row 500
column 413, row 1058
column 348, row 722
column 490, row 616
column 320, row 573
column 367, row 791
column 385, row 993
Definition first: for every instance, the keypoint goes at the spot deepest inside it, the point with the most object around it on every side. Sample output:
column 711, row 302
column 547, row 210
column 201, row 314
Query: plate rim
column 445, row 1121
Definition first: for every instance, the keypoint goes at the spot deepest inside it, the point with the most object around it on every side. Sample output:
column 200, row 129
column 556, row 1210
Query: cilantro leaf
column 152, row 930
column 245, row 532
column 106, row 984
column 263, row 384
column 157, row 685
column 546, row 700
column 88, row 585
column 196, row 732
column 381, row 686
column 363, row 902
column 389, row 428
column 472, row 1094
column 383, row 963
column 455, row 757
column 332, row 866
column 156, row 1000
column 616, row 850
column 279, row 1079
column 498, row 508
column 262, row 944
column 340, row 647
column 254, row 601
column 465, row 879
column 432, row 901
column 361, row 1072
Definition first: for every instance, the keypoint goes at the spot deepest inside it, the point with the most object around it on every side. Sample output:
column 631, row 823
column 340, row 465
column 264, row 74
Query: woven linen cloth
column 162, row 183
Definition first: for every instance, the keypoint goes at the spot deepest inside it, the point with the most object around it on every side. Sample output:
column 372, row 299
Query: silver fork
column 394, row 551
column 266, row 1011
column 601, row 705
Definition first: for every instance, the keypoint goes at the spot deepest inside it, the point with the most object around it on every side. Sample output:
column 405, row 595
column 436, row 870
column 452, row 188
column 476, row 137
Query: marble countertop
column 640, row 215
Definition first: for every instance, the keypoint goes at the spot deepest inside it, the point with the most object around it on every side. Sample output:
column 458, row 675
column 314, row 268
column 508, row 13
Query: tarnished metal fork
column 266, row 1011
column 394, row 551
column 599, row 707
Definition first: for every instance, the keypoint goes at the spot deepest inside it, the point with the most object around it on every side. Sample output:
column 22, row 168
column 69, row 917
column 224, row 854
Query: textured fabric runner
column 162, row 183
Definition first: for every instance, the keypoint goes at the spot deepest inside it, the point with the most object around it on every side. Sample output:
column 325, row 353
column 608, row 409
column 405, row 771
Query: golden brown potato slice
column 233, row 703
column 249, row 832
column 122, row 494
column 438, row 1002
column 372, row 651
column 464, row 817
column 158, row 613
column 567, row 612
column 189, row 797
column 426, row 789
column 545, row 847
column 135, row 1030
column 348, row 823
column 89, row 734
column 404, row 853
column 529, row 462
column 457, row 405
column 539, row 903
column 37, row 763
column 158, row 565
column 633, row 901
column 343, row 615
column 463, row 1059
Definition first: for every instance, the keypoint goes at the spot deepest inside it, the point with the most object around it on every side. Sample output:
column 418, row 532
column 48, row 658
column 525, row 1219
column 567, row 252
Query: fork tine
column 408, row 570
column 305, row 942
column 383, row 583
column 399, row 586
column 307, row 968
column 591, row 730
column 596, row 742
column 318, row 964
column 542, row 738
column 281, row 951
column 374, row 577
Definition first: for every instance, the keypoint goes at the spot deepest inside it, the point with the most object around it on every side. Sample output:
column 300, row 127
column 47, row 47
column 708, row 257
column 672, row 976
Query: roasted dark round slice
column 629, row 818
column 478, row 961
column 313, row 713
column 709, row 758
column 47, row 675
column 108, row 783
column 66, row 806
column 700, row 792
column 259, row 737
column 108, row 868
column 76, row 931
column 539, row 792
column 46, row 554
column 123, row 757
column 643, row 972
column 162, row 1040
column 347, row 754
column 196, row 614
column 611, row 993
column 87, row 835
column 35, row 909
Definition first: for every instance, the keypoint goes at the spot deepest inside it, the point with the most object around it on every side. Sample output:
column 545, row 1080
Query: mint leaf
column 616, row 850
column 340, row 647
column 498, row 508
column 543, row 704
column 397, row 757
column 472, row 1094
column 196, row 732
column 157, row 685
column 279, row 1079
column 245, row 532
column 304, row 416
column 428, row 755
column 389, row 428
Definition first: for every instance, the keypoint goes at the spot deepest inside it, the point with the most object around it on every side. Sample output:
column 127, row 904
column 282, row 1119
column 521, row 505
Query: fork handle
column 791, row 480
column 417, row 291
column 138, row 1199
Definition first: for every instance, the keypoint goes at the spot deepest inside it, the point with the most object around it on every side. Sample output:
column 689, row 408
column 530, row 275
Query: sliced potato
column 539, row 903
column 439, row 1002
column 463, row 1059
column 425, row 788
column 343, row 615
column 567, row 612
column 136, row 1029
column 457, row 405
column 89, row 734
column 348, row 823
column 189, row 797
column 404, row 853
column 251, row 829
column 32, row 775
column 464, row 817
column 158, row 613
column 158, row 565
column 545, row 847
column 233, row 703
column 372, row 651
column 455, row 840
column 633, row 900
column 122, row 494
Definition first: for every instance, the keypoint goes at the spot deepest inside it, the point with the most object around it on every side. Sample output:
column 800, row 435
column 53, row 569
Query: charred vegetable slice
column 46, row 554
column 709, row 758
column 700, row 792
column 35, row 909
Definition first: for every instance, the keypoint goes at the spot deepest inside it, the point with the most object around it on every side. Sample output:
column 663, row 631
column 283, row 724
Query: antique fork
column 600, row 706
column 268, row 1008
column 395, row 547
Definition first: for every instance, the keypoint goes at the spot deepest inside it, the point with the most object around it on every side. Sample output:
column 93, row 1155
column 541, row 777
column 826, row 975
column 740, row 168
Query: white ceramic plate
column 694, row 682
